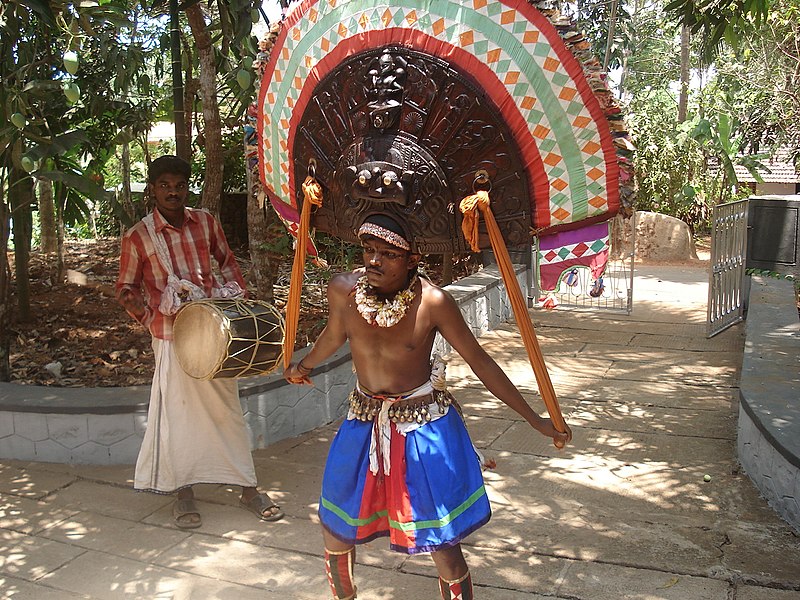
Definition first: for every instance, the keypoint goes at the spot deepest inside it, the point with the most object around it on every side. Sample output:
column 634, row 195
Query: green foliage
column 593, row 18
column 719, row 20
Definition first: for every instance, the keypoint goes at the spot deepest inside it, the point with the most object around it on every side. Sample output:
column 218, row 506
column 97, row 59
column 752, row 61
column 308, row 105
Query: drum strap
column 179, row 291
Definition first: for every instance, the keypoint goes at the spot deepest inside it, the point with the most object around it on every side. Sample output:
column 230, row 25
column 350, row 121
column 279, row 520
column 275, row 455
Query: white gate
column 727, row 293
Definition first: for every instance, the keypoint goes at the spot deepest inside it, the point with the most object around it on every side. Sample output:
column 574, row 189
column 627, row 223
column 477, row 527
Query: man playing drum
column 402, row 463
column 195, row 429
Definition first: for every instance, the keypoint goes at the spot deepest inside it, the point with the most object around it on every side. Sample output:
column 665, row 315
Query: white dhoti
column 195, row 431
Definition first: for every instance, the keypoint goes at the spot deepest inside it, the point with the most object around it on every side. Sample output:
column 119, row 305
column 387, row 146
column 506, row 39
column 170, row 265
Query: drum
column 231, row 337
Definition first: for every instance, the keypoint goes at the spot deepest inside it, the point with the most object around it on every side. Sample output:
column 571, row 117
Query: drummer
column 195, row 429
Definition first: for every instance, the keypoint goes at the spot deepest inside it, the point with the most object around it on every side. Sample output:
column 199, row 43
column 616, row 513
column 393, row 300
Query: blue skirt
column 433, row 497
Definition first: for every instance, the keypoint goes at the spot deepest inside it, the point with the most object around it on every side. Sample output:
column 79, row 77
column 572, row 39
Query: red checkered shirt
column 190, row 247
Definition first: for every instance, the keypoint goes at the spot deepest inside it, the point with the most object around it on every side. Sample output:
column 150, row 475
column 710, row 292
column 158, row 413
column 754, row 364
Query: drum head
column 201, row 339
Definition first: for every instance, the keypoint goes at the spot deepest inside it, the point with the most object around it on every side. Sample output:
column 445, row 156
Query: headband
column 384, row 234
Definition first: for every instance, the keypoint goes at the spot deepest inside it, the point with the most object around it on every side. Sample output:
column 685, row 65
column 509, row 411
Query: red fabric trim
column 398, row 490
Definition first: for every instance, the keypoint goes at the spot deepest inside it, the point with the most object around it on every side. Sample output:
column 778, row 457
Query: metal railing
column 727, row 282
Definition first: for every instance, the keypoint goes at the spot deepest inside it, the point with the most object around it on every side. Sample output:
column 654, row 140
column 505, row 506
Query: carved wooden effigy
column 409, row 108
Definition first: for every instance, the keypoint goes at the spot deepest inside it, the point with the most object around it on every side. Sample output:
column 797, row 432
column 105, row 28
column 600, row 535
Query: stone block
column 90, row 453
column 279, row 422
column 791, row 511
column 125, row 451
column 31, row 426
column 18, row 448
column 139, row 423
column 52, row 451
column 784, row 475
column 109, row 429
column 68, row 430
column 6, row 424
column 481, row 325
column 307, row 415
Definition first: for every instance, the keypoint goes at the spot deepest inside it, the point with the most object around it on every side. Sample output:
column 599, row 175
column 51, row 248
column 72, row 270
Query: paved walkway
column 624, row 512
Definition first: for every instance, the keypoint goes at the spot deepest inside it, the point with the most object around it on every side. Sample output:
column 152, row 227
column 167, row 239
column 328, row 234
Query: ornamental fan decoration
column 408, row 107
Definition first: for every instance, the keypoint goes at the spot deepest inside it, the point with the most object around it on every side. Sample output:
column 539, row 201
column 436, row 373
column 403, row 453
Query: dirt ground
column 78, row 336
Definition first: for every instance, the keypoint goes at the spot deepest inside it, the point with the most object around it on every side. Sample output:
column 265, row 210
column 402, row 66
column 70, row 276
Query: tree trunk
column 261, row 222
column 683, row 99
column 447, row 268
column 20, row 192
column 179, row 112
column 5, row 292
column 612, row 24
column 125, row 186
column 61, row 200
column 47, row 217
column 212, row 124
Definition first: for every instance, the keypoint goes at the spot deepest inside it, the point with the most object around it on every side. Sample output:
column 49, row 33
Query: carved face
column 397, row 130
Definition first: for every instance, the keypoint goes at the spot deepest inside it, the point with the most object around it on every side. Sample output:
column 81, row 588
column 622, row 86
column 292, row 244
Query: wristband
column 304, row 369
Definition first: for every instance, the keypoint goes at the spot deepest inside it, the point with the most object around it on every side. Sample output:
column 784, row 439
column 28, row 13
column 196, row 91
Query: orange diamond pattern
column 325, row 44
column 312, row 15
column 528, row 102
column 591, row 147
column 551, row 64
column 531, row 36
column 298, row 83
column 342, row 30
column 386, row 18
column 598, row 201
column 363, row 21
column 508, row 16
column 479, row 4
column 411, row 17
column 511, row 77
column 296, row 34
column 560, row 214
column 552, row 159
column 493, row 56
column 467, row 38
column 438, row 26
column 309, row 61
column 559, row 184
column 594, row 173
column 581, row 121
column 567, row 93
column 285, row 53
column 541, row 132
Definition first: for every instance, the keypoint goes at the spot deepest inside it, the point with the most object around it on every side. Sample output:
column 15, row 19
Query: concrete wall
column 106, row 425
column 768, row 438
